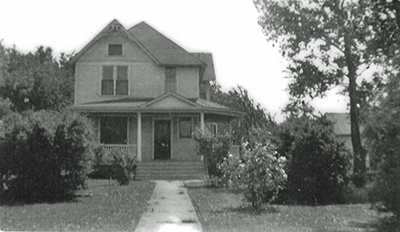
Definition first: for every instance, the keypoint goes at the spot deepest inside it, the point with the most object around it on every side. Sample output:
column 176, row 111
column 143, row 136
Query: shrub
column 45, row 156
column 214, row 149
column 115, row 164
column 383, row 136
column 259, row 174
column 318, row 166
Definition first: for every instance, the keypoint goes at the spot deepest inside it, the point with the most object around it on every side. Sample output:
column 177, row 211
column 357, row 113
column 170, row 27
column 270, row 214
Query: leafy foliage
column 383, row 134
column 114, row 164
column 214, row 149
column 36, row 81
column 239, row 99
column 318, row 165
column 45, row 156
column 259, row 174
column 329, row 44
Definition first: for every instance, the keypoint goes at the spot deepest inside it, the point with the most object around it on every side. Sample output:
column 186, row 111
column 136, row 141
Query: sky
column 228, row 29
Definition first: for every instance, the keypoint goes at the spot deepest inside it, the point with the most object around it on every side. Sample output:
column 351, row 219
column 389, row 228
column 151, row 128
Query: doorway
column 162, row 139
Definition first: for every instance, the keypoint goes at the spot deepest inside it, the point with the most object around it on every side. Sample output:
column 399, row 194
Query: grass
column 221, row 209
column 101, row 207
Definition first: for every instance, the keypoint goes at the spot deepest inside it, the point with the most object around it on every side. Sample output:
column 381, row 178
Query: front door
column 162, row 139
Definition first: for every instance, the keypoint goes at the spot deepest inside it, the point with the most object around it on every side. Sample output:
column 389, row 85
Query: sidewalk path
column 169, row 209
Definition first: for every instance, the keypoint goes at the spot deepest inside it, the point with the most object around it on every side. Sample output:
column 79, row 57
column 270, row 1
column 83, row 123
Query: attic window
column 115, row 49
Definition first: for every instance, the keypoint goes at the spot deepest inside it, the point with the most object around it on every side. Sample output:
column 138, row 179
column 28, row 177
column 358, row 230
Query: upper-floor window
column 115, row 50
column 170, row 80
column 115, row 80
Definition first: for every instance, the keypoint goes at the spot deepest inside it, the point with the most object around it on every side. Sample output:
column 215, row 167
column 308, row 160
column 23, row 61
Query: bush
column 214, row 149
column 115, row 164
column 383, row 136
column 318, row 166
column 45, row 157
column 259, row 174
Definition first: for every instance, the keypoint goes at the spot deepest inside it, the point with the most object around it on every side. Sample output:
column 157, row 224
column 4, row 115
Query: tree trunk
column 359, row 153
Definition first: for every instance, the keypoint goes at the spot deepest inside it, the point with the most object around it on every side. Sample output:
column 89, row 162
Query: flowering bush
column 214, row 149
column 259, row 174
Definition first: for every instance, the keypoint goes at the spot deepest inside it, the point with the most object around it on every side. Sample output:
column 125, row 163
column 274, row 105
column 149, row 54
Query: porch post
column 139, row 136
column 202, row 121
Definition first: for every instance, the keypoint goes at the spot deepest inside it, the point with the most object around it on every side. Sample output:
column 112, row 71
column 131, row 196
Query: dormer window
column 115, row 50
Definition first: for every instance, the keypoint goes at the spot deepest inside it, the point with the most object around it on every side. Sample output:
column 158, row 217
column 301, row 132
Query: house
column 342, row 129
column 146, row 95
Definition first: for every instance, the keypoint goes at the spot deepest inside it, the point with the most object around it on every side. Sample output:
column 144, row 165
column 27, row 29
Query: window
column 113, row 130
column 170, row 80
column 115, row 49
column 115, row 80
column 185, row 127
column 212, row 128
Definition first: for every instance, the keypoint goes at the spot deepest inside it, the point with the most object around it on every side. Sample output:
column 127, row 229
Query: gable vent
column 114, row 28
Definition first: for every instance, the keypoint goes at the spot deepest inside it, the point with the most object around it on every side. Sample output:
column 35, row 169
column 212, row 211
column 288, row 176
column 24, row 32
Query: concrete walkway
column 169, row 209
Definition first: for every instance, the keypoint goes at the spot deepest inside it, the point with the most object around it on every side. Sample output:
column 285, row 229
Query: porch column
column 139, row 136
column 202, row 121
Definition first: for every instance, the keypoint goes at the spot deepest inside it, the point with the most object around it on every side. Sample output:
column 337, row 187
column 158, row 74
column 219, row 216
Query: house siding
column 147, row 80
column 188, row 82
column 184, row 148
column 99, row 51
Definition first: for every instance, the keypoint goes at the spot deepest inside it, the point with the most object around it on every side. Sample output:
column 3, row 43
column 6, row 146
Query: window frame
column 115, row 79
column 212, row 125
column 115, row 44
column 180, row 127
column 114, row 118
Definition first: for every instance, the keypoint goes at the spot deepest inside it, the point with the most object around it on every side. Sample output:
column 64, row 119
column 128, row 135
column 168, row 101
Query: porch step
column 171, row 170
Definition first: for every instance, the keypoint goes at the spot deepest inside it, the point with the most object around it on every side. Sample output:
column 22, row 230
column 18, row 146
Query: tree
column 36, row 81
column 256, row 117
column 328, row 44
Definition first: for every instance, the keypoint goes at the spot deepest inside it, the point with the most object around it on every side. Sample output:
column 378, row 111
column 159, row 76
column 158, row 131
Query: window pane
column 122, row 87
column 107, row 87
column 185, row 127
column 113, row 130
column 115, row 49
column 122, row 72
column 170, row 80
column 108, row 72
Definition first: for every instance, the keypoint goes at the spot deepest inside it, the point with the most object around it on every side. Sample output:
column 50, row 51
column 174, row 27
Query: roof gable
column 165, row 51
column 170, row 101
column 114, row 27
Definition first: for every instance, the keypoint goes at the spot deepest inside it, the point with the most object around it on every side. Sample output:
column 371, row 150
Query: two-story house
column 146, row 95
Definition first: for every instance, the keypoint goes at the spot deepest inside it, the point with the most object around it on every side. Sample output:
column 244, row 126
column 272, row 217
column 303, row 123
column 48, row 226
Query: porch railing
column 130, row 150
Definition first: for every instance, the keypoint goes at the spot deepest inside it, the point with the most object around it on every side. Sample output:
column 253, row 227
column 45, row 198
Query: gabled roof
column 170, row 100
column 209, row 72
column 164, row 50
column 341, row 123
column 113, row 27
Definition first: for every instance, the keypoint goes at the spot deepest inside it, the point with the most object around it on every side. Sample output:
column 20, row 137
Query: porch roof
column 166, row 103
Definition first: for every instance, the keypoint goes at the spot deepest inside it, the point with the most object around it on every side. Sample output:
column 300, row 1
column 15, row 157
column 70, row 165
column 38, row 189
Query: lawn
column 220, row 209
column 104, row 206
